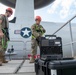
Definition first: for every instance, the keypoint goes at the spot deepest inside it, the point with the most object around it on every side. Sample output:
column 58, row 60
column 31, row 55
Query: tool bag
column 50, row 47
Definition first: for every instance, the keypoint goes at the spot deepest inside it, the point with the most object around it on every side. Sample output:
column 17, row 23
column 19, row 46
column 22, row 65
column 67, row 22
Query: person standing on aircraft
column 37, row 32
column 4, row 35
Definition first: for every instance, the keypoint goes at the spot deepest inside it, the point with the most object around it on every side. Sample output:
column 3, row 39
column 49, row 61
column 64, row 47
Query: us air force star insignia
column 25, row 32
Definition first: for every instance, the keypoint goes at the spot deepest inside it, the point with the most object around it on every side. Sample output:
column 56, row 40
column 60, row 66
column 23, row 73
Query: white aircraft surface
column 20, row 32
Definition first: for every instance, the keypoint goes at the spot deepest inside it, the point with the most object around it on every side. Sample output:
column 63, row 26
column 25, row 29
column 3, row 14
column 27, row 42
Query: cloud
column 66, row 7
column 74, row 12
column 54, row 7
column 63, row 8
column 75, row 3
column 66, row 4
column 64, row 13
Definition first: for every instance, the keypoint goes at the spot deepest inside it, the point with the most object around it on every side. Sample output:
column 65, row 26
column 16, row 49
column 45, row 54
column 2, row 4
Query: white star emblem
column 25, row 32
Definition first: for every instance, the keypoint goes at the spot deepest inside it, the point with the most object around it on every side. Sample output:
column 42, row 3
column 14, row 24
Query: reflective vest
column 38, row 29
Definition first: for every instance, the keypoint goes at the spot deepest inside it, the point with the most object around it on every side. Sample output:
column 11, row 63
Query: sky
column 58, row 11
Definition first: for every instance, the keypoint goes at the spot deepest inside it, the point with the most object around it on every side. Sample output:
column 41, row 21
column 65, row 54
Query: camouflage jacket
column 4, row 25
column 37, row 30
column 5, row 22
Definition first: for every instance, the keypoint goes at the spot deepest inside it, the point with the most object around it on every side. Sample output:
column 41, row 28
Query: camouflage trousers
column 3, row 42
column 34, row 46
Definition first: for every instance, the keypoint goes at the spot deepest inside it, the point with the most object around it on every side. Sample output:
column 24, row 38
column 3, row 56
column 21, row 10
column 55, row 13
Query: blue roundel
column 25, row 32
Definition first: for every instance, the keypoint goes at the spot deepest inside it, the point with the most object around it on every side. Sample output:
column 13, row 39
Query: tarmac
column 17, row 67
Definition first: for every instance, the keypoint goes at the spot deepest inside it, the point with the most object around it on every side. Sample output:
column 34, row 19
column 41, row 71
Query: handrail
column 69, row 43
column 64, row 25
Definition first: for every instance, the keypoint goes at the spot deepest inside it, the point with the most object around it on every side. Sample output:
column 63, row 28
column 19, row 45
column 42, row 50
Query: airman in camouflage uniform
column 37, row 32
column 3, row 33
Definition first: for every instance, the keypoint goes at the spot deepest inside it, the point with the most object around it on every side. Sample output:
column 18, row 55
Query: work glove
column 42, row 29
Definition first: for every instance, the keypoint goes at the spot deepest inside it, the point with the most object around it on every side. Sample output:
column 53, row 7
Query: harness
column 38, row 29
column 5, row 31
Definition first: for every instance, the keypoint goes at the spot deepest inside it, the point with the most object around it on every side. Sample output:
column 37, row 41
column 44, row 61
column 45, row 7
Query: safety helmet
column 9, row 10
column 38, row 18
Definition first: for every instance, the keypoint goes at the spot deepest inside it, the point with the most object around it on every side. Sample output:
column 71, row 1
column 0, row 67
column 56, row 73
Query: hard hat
column 38, row 18
column 9, row 10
